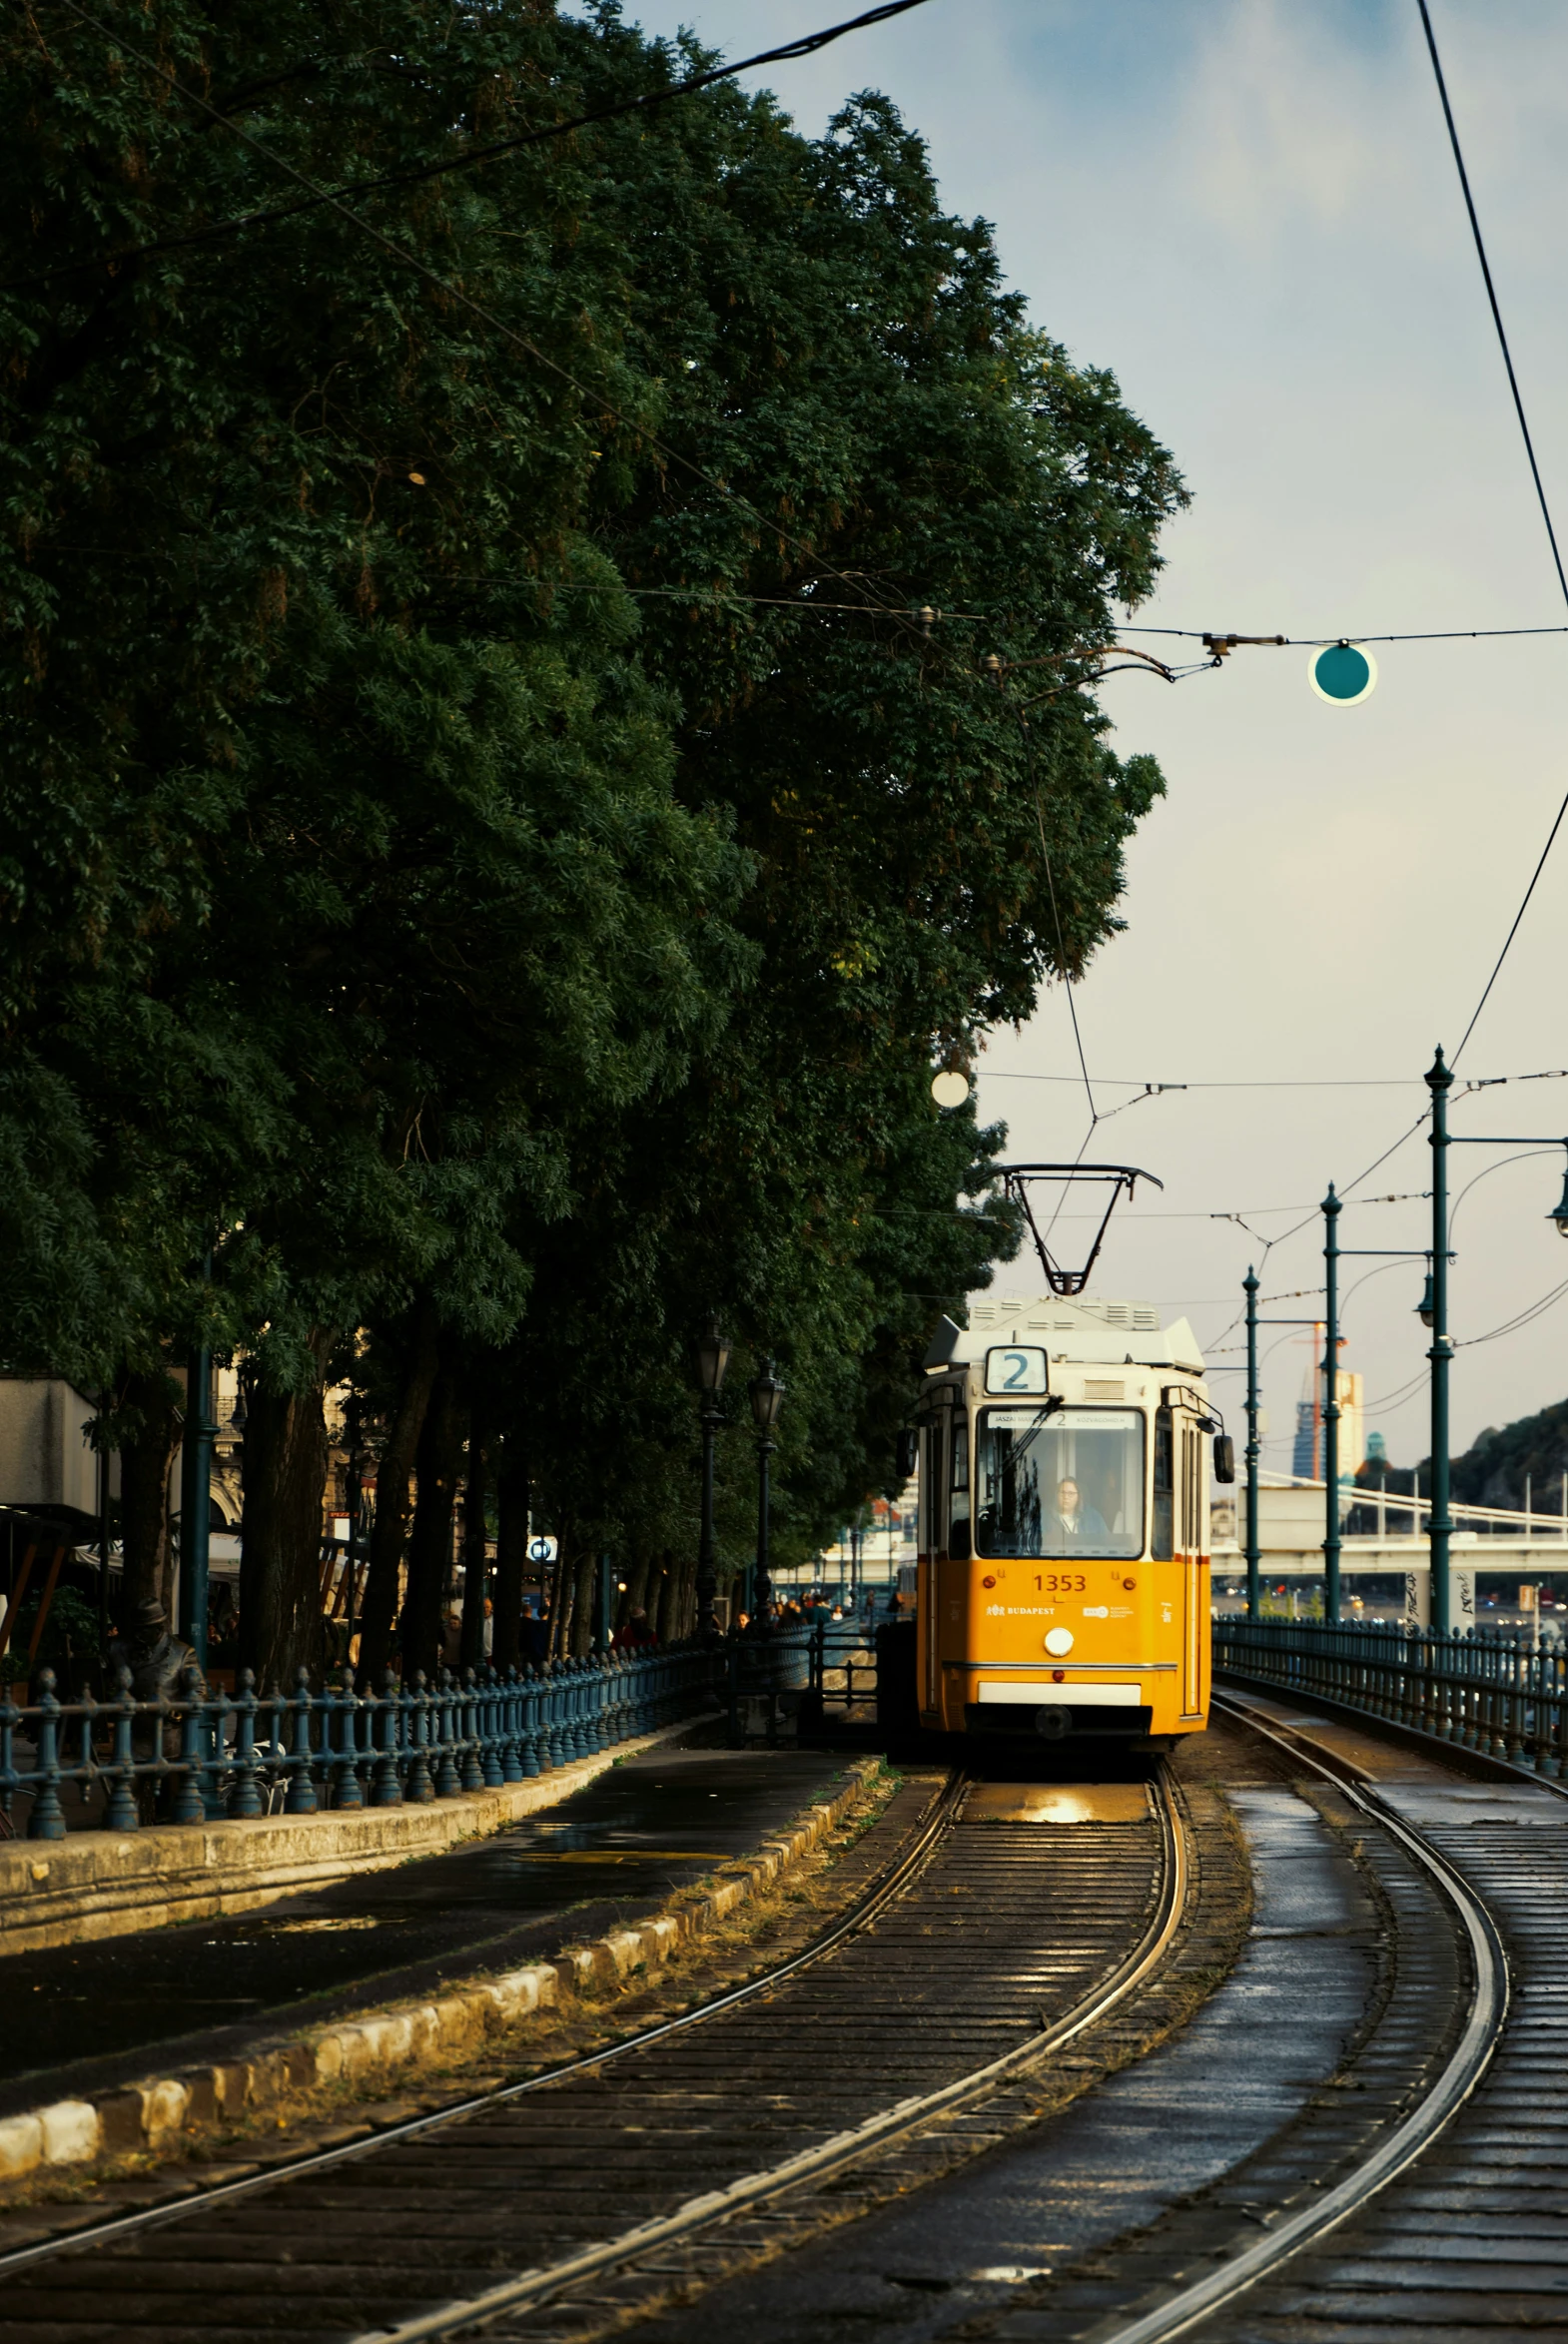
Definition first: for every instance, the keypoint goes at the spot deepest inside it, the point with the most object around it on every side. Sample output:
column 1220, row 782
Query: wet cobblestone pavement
column 84, row 2018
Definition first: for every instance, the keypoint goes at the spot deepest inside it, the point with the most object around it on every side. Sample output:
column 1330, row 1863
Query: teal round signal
column 1342, row 674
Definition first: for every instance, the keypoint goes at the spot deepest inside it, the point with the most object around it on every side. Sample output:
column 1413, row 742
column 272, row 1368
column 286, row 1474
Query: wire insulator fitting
column 1222, row 646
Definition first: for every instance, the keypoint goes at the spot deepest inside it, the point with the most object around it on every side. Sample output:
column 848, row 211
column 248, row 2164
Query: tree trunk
column 379, row 1609
column 583, row 1614
column 475, row 1568
column 147, row 1448
column 511, row 1551
column 685, row 1596
column 564, row 1607
column 439, row 1466
column 281, row 1626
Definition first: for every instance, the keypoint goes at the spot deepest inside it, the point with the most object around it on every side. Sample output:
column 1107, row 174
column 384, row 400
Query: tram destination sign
column 1013, row 1370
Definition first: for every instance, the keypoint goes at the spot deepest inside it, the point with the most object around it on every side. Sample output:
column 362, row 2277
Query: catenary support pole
column 1439, row 1525
column 1253, row 1557
column 1331, row 1211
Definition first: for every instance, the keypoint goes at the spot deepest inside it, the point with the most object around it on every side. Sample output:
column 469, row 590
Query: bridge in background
column 1385, row 1538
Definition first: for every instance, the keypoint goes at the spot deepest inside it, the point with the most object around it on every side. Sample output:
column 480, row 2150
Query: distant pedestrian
column 633, row 1634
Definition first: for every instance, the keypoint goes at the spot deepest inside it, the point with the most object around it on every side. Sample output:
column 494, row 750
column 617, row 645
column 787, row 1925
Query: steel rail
column 533, row 2287
column 889, row 1884
column 1410, row 2140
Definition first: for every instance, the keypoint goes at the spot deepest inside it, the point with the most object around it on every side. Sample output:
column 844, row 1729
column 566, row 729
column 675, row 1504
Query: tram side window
column 1164, row 1545
column 934, row 1485
column 1191, row 1540
column 958, row 1491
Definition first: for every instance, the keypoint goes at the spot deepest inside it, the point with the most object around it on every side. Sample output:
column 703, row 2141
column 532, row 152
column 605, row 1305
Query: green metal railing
column 199, row 1756
column 1491, row 1692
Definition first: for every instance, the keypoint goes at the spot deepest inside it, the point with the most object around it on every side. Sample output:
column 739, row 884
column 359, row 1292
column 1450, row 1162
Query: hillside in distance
column 1494, row 1469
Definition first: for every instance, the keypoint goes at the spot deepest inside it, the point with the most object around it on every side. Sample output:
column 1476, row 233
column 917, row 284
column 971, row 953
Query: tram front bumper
column 1052, row 1712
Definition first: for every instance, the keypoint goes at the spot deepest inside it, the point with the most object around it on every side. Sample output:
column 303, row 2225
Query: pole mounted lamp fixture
column 767, row 1398
column 1559, row 1211
column 1426, row 1308
column 712, row 1357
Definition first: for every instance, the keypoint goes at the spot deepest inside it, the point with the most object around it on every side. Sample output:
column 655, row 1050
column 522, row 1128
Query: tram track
column 1319, row 2150
column 1291, row 2234
column 982, row 1950
column 1469, row 2239
column 889, row 1883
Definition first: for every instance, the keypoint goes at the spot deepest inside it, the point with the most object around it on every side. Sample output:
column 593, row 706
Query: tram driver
column 1074, row 1524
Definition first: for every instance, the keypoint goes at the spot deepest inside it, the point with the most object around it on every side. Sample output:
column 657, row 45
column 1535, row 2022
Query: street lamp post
column 354, row 1493
column 713, row 1360
column 196, row 1482
column 767, row 1397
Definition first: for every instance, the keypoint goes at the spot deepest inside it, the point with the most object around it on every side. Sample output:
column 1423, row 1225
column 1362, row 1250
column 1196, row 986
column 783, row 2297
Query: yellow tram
column 1063, row 1579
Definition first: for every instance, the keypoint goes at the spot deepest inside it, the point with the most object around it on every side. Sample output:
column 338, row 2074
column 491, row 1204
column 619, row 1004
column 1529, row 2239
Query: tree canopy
column 506, row 802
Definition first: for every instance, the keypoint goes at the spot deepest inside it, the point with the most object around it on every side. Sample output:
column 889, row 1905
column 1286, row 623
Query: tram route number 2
column 1016, row 1370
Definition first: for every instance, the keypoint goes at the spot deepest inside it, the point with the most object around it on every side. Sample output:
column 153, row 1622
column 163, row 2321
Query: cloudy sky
column 1249, row 212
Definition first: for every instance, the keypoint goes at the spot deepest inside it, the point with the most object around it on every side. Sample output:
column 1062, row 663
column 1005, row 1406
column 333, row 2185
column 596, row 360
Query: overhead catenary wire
column 1548, row 1300
column 1535, row 475
column 1345, row 1082
column 786, row 53
column 1521, row 1319
column 1459, row 634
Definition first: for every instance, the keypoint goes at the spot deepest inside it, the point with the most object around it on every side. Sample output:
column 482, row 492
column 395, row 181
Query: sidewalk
column 77, row 2021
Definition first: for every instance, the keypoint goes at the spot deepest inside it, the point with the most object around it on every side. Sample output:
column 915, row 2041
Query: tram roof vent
column 1141, row 1314
column 1086, row 1319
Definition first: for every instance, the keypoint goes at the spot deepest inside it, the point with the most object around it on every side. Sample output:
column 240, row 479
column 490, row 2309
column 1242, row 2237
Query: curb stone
column 373, row 2048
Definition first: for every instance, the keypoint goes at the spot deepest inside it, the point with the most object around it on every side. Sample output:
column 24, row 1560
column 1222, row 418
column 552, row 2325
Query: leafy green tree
column 488, row 837
column 329, row 905
column 857, row 422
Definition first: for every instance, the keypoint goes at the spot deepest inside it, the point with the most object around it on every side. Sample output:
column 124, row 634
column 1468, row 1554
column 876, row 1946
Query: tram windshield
column 1067, row 1483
